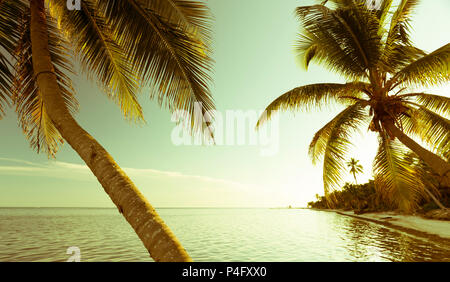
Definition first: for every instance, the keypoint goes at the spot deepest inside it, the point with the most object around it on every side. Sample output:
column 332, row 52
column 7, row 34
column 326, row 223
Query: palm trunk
column 160, row 242
column 436, row 163
column 354, row 175
column 435, row 200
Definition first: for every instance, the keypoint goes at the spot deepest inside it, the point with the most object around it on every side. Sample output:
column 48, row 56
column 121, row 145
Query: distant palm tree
column 124, row 44
column 373, row 51
column 355, row 168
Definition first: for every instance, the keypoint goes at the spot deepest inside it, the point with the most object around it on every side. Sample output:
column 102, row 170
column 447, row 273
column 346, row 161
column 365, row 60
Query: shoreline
column 436, row 230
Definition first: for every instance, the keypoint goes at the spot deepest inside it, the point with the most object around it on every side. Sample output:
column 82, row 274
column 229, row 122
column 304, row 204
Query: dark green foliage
column 361, row 198
column 364, row 198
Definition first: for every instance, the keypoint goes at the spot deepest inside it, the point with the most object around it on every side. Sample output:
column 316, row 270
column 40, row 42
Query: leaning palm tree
column 124, row 45
column 355, row 168
column 373, row 51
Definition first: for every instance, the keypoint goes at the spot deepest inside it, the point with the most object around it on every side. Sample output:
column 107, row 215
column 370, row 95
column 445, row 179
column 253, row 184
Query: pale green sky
column 255, row 63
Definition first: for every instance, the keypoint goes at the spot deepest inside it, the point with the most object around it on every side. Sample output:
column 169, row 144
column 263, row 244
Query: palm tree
column 372, row 50
column 124, row 44
column 355, row 168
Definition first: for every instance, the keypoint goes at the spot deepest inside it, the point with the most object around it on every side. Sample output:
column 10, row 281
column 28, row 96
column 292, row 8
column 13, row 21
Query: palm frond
column 429, row 178
column 437, row 103
column 176, row 62
column 346, row 39
column 320, row 45
column 100, row 54
column 400, row 22
column 314, row 96
column 394, row 176
column 398, row 49
column 307, row 49
column 397, row 55
column 9, row 35
column 36, row 125
column 192, row 16
column 383, row 14
column 429, row 70
column 332, row 142
column 429, row 127
column 5, row 84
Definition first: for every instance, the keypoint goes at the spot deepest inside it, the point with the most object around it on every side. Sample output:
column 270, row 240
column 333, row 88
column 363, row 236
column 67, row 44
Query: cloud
column 163, row 188
column 20, row 161
column 57, row 169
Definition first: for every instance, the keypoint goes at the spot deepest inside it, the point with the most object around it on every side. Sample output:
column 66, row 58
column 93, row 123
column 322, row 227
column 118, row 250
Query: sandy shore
column 416, row 225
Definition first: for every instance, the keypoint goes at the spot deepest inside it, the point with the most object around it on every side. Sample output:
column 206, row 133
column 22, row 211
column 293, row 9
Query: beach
column 412, row 224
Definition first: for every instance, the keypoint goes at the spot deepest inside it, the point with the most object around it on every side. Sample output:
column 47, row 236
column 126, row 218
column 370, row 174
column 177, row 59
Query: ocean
column 210, row 235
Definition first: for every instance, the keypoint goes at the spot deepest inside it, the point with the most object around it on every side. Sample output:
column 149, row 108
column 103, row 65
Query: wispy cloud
column 10, row 160
column 57, row 169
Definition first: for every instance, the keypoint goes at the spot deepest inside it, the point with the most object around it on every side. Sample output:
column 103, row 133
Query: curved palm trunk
column 156, row 236
column 435, row 162
column 435, row 200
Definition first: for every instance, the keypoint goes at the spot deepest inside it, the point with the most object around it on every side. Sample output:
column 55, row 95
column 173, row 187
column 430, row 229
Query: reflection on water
column 367, row 241
column 210, row 235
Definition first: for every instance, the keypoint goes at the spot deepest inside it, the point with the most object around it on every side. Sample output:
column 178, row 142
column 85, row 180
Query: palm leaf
column 397, row 55
column 192, row 16
column 99, row 53
column 383, row 13
column 429, row 127
column 398, row 49
column 5, row 84
column 435, row 103
column 439, row 104
column 314, row 96
column 176, row 62
column 431, row 69
column 332, row 142
column 319, row 44
column 428, row 177
column 345, row 39
column 36, row 125
column 394, row 176
column 400, row 22
column 9, row 26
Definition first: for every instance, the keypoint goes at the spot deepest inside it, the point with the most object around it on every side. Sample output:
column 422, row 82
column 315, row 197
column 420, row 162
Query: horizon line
column 168, row 207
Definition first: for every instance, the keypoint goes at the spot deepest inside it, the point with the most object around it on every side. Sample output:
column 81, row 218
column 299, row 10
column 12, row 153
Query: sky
column 253, row 50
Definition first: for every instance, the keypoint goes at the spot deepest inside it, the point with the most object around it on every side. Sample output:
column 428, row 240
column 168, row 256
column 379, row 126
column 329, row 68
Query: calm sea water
column 44, row 234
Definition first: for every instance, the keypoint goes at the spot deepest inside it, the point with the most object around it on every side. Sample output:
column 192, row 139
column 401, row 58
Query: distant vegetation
column 433, row 201
column 363, row 198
